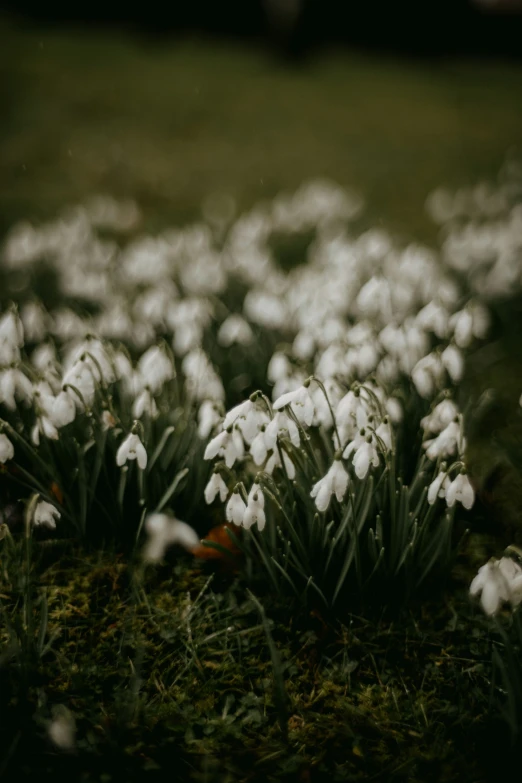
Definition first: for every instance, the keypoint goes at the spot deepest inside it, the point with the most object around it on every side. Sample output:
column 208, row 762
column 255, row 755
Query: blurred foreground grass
column 168, row 122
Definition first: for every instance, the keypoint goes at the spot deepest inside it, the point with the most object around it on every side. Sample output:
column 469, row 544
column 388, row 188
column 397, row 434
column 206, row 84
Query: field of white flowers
column 300, row 423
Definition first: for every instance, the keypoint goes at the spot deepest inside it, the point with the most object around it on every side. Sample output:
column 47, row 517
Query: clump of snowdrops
column 342, row 458
column 100, row 438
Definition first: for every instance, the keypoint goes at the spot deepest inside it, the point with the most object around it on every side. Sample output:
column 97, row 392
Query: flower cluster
column 362, row 344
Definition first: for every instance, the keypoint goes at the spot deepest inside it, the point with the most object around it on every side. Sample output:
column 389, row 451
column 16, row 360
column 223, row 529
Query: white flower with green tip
column 235, row 509
column 335, row 482
column 255, row 510
column 216, row 486
column 460, row 490
column 132, row 449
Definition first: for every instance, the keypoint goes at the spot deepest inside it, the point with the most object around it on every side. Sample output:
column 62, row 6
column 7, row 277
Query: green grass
column 168, row 122
column 176, row 668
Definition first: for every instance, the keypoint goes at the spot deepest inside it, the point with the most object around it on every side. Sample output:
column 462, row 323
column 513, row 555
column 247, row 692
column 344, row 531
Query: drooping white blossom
column 235, row 329
column 498, row 582
column 255, row 510
column 216, row 486
column 300, row 402
column 335, row 482
column 235, row 509
column 163, row 531
column 274, row 461
column 45, row 515
column 227, row 444
column 145, row 404
column 447, row 443
column 132, row 449
column 14, row 385
column 439, row 418
column 438, row 487
column 209, row 416
column 460, row 490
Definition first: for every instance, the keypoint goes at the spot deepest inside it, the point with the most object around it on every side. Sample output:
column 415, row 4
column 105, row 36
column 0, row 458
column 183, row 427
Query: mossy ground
column 172, row 671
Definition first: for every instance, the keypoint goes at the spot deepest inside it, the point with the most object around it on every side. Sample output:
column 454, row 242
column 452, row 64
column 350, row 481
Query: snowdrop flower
column 123, row 369
column 288, row 384
column 361, row 360
column 265, row 309
column 428, row 374
column 393, row 339
column 274, row 462
column 366, row 454
column 331, row 361
column 255, row 510
column 144, row 404
column 216, row 486
column 155, row 368
column 281, row 426
column 383, row 433
column 208, row 416
column 6, row 449
column 235, row 330
column 334, row 482
column 323, row 404
column 44, row 426
column 132, row 449
column 80, row 377
column 68, row 325
column 235, row 508
column 11, row 338
column 446, row 443
column 46, row 515
column 498, row 581
column 279, row 367
column 61, row 409
column 259, row 448
column 434, row 318
column 303, row 346
column 188, row 336
column 374, row 297
column 94, row 353
column 44, row 358
column 152, row 304
column 417, row 346
column 248, row 418
column 34, row 319
column 460, row 490
column 453, row 361
column 228, row 444
column 300, row 402
column 351, row 415
column 162, row 531
column 394, row 410
column 108, row 421
column 11, row 329
column 202, row 381
column 14, row 385
column 439, row 418
column 471, row 322
column 62, row 728
column 438, row 487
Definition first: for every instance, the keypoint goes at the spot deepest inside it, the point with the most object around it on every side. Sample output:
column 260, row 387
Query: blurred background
column 170, row 104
